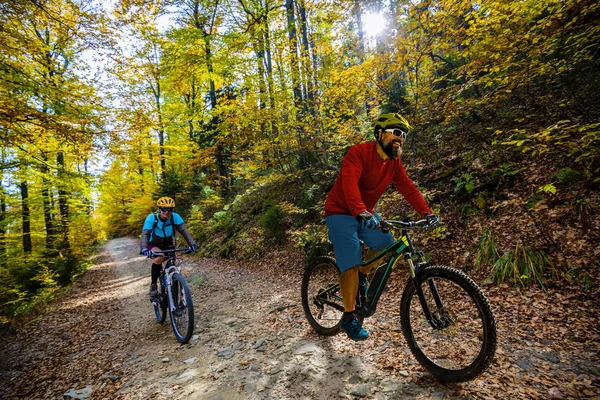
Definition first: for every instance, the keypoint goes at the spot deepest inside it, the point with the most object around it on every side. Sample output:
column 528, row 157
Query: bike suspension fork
column 169, row 285
column 433, row 321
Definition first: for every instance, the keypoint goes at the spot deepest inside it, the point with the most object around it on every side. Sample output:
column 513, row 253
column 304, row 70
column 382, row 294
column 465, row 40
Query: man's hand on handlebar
column 367, row 220
column 432, row 220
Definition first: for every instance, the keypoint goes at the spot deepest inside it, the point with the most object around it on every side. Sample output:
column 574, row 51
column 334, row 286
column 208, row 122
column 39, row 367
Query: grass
column 523, row 265
column 487, row 250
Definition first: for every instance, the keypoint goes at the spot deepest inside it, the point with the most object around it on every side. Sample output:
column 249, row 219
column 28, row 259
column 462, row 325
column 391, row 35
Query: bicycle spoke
column 459, row 341
column 182, row 317
column 321, row 297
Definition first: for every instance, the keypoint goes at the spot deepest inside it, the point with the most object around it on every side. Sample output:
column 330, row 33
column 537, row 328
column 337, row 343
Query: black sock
column 156, row 268
column 348, row 316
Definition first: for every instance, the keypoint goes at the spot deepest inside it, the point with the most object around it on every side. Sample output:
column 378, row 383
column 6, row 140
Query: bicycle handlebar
column 388, row 224
column 167, row 252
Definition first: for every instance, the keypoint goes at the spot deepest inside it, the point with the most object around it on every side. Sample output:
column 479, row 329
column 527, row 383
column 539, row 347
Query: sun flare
column 373, row 23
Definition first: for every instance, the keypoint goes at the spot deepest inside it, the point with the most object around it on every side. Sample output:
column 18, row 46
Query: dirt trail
column 251, row 341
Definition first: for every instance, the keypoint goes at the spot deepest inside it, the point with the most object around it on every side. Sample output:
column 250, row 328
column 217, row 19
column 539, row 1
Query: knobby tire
column 324, row 317
column 464, row 349
column 180, row 292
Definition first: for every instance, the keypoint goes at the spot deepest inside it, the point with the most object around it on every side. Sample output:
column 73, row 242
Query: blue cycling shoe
column 354, row 329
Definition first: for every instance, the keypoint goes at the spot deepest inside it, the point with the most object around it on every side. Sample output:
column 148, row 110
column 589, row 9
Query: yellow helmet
column 165, row 202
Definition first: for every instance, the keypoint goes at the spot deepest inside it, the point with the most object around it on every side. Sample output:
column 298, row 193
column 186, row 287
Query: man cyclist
column 366, row 172
column 158, row 233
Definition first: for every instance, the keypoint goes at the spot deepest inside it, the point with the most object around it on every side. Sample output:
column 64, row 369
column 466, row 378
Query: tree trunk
column 63, row 205
column 361, row 38
column 306, row 60
column 268, row 63
column 298, row 103
column 161, row 132
column 291, row 28
column 25, row 217
column 48, row 217
column 2, row 226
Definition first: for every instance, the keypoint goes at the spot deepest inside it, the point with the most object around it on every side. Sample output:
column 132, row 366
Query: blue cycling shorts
column 345, row 234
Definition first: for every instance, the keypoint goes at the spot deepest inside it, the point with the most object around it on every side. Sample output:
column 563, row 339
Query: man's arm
column 410, row 192
column 351, row 170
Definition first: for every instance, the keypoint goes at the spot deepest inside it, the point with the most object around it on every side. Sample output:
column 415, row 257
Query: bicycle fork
column 435, row 322
column 169, row 284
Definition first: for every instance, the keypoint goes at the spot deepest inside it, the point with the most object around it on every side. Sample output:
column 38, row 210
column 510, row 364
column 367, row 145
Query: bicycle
column 445, row 317
column 174, row 292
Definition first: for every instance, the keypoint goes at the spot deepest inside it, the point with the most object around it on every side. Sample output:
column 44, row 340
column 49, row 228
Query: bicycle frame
column 171, row 269
column 403, row 246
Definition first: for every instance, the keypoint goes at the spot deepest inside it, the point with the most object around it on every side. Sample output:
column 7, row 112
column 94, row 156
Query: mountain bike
column 445, row 317
column 174, row 293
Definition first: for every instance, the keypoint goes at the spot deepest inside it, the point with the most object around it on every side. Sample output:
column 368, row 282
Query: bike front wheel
column 321, row 297
column 182, row 317
column 459, row 342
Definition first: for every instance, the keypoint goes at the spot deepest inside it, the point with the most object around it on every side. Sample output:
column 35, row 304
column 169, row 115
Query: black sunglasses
column 399, row 133
column 165, row 209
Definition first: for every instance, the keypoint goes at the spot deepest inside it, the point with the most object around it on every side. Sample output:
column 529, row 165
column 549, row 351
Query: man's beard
column 391, row 151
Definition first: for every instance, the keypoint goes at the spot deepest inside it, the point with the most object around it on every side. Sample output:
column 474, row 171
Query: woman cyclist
column 158, row 233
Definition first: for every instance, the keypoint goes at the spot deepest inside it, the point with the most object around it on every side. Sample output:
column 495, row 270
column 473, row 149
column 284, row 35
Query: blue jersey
column 161, row 229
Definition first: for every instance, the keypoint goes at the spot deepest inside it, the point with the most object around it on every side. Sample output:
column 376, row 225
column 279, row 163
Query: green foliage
column 196, row 279
column 313, row 240
column 581, row 141
column 272, row 223
column 66, row 268
column 547, row 188
column 487, row 250
column 568, row 176
column 505, row 172
column 10, row 293
column 224, row 221
column 533, row 200
column 581, row 276
column 465, row 184
column 309, row 196
column 587, row 151
column 33, row 282
column 522, row 265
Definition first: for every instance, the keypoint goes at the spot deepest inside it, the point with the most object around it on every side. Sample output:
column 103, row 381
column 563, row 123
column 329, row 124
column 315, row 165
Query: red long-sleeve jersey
column 364, row 177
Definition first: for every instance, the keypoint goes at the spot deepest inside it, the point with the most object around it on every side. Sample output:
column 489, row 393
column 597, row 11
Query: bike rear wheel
column 321, row 297
column 463, row 344
column 182, row 318
column 160, row 303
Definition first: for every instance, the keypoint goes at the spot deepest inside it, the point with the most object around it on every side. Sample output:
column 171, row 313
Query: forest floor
column 251, row 341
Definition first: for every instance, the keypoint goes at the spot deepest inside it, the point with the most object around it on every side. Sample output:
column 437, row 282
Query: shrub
column 271, row 222
column 313, row 240
column 10, row 295
column 309, row 196
column 465, row 184
column 223, row 221
column 568, row 176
